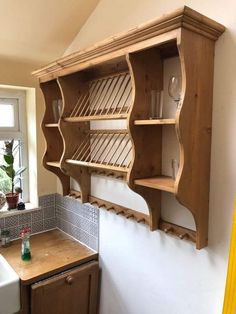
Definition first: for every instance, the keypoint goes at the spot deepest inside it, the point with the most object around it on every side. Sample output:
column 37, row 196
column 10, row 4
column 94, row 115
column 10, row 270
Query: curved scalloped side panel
column 146, row 140
column 71, row 87
column 194, row 128
column 54, row 141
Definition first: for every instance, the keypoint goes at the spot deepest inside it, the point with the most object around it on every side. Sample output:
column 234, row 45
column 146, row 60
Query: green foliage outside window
column 5, row 182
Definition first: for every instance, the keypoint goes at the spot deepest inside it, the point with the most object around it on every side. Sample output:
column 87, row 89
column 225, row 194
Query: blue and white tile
column 11, row 221
column 49, row 224
column 37, row 227
column 25, row 218
column 47, row 200
column 37, row 215
column 48, row 212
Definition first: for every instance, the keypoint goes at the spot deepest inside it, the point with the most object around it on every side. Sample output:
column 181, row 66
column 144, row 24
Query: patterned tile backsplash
column 78, row 220
column 81, row 221
column 39, row 220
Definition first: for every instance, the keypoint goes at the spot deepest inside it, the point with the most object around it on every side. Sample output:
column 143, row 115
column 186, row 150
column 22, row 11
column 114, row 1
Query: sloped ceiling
column 39, row 31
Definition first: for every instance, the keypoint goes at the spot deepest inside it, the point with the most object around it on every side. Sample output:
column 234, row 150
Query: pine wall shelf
column 113, row 81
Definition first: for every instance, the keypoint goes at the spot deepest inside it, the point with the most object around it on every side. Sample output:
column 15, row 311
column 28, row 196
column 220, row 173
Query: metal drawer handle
column 69, row 280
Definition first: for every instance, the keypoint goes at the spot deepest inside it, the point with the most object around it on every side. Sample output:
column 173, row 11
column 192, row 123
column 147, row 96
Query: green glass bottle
column 25, row 245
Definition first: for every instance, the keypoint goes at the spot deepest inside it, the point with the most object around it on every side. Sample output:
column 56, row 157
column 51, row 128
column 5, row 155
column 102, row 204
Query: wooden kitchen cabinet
column 61, row 277
column 72, row 292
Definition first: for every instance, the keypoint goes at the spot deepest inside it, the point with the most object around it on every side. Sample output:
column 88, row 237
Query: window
column 13, row 126
column 9, row 114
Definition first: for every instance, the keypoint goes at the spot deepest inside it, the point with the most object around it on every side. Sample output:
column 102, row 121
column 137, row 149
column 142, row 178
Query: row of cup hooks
column 109, row 174
column 169, row 229
column 119, row 212
column 172, row 230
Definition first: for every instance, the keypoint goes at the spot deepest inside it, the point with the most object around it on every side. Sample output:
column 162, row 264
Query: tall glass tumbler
column 156, row 105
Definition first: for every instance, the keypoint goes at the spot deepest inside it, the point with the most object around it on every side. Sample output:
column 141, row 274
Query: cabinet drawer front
column 72, row 292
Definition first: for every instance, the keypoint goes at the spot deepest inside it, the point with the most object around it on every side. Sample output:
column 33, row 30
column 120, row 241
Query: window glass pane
column 7, row 115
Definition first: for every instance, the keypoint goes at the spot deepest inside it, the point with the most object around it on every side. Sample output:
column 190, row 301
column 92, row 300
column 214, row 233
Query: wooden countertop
column 51, row 251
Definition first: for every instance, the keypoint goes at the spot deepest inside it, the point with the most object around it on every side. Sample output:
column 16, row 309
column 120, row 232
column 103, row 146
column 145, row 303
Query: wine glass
column 174, row 88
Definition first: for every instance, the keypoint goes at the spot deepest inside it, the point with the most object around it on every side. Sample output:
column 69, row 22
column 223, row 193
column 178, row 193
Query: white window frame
column 19, row 131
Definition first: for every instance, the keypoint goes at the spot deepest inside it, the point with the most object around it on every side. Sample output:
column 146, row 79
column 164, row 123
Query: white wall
column 147, row 272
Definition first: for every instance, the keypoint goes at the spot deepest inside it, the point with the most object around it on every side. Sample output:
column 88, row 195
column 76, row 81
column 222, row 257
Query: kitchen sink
column 9, row 288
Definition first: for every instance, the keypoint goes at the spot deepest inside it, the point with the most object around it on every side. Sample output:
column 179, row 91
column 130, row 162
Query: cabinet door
column 72, row 292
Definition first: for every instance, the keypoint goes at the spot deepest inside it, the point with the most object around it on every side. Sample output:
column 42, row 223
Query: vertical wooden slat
column 121, row 164
column 93, row 102
column 84, row 149
column 109, row 94
column 82, row 105
column 108, row 82
column 110, row 137
column 80, row 148
column 108, row 150
column 114, row 152
column 125, row 102
column 122, row 150
column 87, row 99
column 86, row 152
column 102, row 141
column 93, row 96
column 118, row 84
column 122, row 94
column 77, row 105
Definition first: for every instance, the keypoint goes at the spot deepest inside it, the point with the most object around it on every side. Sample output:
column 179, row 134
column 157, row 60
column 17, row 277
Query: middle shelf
column 163, row 183
column 104, row 149
column 155, row 122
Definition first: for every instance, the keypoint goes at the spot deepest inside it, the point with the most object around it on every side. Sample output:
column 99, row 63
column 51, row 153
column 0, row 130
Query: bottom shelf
column 163, row 183
column 53, row 164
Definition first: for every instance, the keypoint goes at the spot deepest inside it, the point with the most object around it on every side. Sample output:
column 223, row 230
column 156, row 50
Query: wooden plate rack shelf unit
column 112, row 81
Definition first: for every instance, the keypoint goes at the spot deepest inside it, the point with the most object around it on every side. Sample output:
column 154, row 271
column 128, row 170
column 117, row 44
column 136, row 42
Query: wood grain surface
column 52, row 252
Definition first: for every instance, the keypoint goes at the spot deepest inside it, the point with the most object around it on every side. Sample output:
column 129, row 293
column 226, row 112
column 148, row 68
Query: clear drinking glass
column 174, row 168
column 156, row 104
column 174, row 88
column 57, row 109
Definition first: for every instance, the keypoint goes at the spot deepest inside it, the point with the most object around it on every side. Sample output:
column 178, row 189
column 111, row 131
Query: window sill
column 4, row 212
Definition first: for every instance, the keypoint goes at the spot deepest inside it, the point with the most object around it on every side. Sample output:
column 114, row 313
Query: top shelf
column 155, row 122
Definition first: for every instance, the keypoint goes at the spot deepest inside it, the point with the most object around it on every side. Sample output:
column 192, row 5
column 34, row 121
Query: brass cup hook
column 102, row 205
column 121, row 212
column 110, row 208
column 183, row 235
column 129, row 216
column 141, row 220
column 119, row 177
